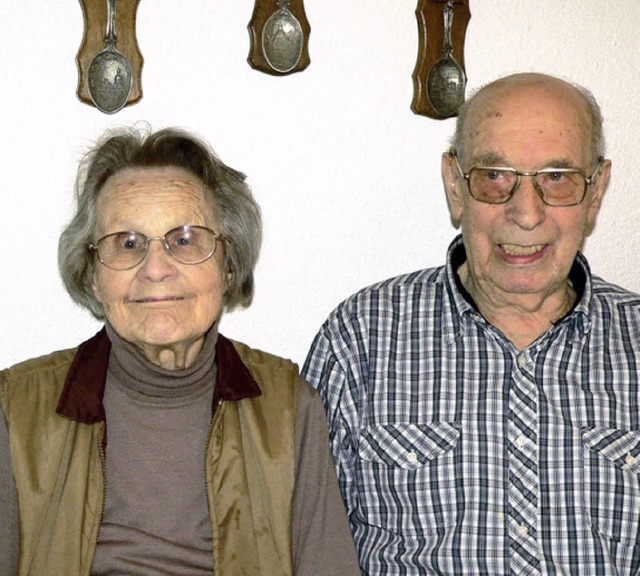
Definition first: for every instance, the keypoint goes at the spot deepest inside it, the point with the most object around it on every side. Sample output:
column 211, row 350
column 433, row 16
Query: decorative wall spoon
column 110, row 72
column 446, row 80
column 282, row 39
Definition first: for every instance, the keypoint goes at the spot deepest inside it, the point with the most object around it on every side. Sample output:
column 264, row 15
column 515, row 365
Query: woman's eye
column 130, row 243
column 182, row 241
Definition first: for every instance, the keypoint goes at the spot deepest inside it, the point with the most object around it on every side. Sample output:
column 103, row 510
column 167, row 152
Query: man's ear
column 451, row 179
column 598, row 191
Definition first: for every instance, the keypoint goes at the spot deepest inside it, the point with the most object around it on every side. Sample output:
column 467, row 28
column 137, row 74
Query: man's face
column 524, row 249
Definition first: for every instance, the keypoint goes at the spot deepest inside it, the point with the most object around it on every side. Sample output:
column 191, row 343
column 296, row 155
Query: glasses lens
column 492, row 185
column 561, row 187
column 191, row 244
column 122, row 250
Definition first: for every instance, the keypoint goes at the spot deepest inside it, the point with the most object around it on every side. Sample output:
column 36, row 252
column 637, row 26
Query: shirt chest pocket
column 612, row 461
column 406, row 475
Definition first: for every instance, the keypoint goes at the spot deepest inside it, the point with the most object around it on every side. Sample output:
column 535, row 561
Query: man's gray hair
column 230, row 197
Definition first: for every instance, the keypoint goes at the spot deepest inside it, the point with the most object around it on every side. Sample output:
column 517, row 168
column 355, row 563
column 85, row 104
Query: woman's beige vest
column 58, row 466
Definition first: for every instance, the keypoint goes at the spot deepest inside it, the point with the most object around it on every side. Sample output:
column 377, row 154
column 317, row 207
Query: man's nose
column 526, row 207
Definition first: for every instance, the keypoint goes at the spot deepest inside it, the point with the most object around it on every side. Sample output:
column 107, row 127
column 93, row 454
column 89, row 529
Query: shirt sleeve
column 9, row 526
column 322, row 540
column 340, row 389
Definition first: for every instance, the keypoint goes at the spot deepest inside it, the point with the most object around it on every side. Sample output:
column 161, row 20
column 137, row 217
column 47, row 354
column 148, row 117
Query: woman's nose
column 158, row 264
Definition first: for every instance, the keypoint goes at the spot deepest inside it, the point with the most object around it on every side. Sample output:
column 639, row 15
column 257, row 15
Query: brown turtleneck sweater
column 156, row 518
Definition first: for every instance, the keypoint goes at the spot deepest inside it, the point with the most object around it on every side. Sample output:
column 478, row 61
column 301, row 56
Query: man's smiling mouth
column 516, row 250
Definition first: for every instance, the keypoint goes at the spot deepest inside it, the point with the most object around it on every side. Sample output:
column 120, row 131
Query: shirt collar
column 83, row 392
column 580, row 276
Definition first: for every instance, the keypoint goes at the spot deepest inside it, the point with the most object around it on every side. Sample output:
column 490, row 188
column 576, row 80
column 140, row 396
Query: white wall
column 347, row 176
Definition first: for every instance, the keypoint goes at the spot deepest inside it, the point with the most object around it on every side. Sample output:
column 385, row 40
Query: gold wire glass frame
column 126, row 249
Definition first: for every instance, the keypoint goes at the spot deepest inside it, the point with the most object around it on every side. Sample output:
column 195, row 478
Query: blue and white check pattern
column 457, row 454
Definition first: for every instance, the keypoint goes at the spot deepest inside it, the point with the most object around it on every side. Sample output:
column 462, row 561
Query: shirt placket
column 523, row 485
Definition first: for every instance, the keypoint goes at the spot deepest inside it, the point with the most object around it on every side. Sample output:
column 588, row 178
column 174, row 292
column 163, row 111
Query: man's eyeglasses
column 555, row 186
column 187, row 244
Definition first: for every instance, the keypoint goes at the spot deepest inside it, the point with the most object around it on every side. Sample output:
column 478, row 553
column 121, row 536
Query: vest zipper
column 206, row 482
column 103, row 465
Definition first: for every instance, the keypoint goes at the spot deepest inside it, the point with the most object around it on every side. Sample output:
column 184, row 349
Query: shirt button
column 521, row 441
column 412, row 457
column 523, row 530
column 522, row 360
column 630, row 460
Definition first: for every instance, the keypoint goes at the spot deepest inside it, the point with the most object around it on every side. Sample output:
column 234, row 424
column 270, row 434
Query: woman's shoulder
column 255, row 356
column 39, row 378
column 55, row 362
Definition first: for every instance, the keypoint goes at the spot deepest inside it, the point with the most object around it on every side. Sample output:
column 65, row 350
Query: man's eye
column 555, row 176
column 494, row 174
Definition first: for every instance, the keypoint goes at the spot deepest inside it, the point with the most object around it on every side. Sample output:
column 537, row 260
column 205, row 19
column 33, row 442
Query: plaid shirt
column 458, row 454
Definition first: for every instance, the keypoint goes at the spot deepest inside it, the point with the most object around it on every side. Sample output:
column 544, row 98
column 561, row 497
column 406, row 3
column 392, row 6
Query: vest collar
column 83, row 392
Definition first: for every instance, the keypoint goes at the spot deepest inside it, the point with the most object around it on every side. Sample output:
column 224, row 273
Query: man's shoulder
column 408, row 286
column 604, row 291
column 415, row 290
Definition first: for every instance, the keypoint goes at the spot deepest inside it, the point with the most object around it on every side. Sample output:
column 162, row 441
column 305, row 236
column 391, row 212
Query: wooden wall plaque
column 429, row 14
column 95, row 23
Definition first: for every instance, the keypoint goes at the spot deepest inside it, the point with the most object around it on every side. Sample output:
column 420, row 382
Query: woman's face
column 161, row 306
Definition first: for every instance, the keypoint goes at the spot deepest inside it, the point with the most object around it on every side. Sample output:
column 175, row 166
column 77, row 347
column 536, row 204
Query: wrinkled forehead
column 552, row 111
column 138, row 197
column 161, row 179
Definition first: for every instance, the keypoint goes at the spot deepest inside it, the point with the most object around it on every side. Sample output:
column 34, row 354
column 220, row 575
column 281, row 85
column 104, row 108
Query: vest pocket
column 612, row 462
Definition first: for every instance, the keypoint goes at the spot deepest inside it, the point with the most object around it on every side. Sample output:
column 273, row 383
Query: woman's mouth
column 157, row 299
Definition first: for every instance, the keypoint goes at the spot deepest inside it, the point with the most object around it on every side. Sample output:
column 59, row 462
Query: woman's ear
column 228, row 278
column 95, row 288
column 451, row 179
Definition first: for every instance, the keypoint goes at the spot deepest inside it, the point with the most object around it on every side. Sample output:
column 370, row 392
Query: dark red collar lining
column 83, row 392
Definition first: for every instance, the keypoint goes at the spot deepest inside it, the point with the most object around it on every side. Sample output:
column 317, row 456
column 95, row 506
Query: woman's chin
column 161, row 330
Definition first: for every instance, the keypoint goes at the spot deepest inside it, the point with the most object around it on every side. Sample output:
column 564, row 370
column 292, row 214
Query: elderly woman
column 159, row 446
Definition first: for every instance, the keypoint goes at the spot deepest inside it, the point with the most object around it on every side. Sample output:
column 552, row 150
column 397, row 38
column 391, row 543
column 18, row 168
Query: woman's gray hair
column 230, row 197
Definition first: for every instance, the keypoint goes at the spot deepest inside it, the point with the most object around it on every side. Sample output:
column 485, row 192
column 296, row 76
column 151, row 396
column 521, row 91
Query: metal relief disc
column 282, row 41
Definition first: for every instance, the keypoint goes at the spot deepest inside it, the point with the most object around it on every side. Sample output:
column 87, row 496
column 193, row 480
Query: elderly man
column 485, row 415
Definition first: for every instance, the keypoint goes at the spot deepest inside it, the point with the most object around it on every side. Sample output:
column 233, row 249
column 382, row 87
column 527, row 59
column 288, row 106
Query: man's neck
column 524, row 319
